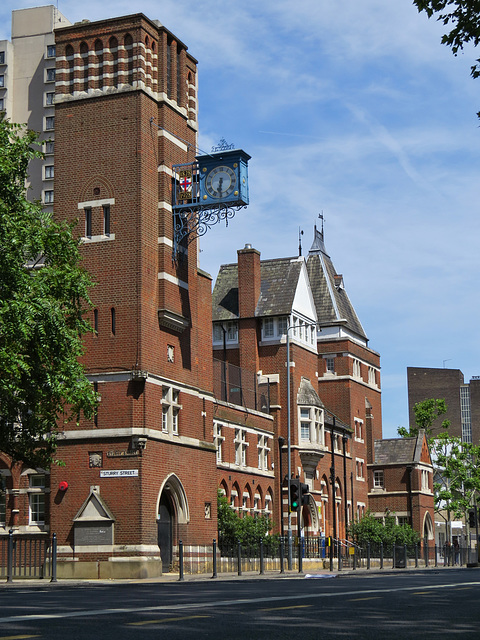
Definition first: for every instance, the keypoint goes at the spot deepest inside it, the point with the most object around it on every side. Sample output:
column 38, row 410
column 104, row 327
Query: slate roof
column 331, row 300
column 279, row 279
column 399, row 450
column 307, row 395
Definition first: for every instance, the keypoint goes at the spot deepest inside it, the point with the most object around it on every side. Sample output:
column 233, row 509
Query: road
column 429, row 604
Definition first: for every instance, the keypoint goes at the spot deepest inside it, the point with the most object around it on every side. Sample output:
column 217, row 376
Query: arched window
column 169, row 69
column 99, row 63
column 235, row 496
column 258, row 505
column 224, row 488
column 247, row 501
column 3, row 499
column 113, row 46
column 269, row 502
column 84, row 57
column 154, row 67
column 128, row 43
column 69, row 54
column 191, row 105
column 179, row 77
column 148, row 63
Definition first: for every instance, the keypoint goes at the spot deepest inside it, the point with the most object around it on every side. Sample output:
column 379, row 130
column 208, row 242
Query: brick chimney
column 248, row 294
column 248, row 281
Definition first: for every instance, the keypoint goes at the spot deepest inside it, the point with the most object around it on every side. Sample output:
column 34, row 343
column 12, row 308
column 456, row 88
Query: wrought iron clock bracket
column 191, row 223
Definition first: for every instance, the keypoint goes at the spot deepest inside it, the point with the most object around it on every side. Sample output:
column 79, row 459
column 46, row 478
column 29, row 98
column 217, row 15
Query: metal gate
column 28, row 556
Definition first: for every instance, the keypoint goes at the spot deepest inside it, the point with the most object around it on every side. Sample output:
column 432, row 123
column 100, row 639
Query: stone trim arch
column 428, row 526
column 97, row 188
column 178, row 496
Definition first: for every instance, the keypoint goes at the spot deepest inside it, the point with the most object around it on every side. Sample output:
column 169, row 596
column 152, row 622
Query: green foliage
column 43, row 293
column 457, row 474
column 231, row 528
column 375, row 531
column 426, row 412
column 464, row 18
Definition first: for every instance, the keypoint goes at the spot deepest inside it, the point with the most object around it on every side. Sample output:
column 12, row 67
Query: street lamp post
column 344, row 441
column 289, row 457
column 332, row 480
column 289, row 445
column 281, row 442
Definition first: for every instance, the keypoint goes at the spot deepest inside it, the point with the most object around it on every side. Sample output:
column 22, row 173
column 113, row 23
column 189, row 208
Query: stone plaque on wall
column 93, row 533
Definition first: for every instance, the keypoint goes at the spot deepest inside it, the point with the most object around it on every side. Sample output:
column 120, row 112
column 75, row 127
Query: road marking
column 360, row 599
column 17, row 637
column 168, row 608
column 160, row 620
column 295, row 606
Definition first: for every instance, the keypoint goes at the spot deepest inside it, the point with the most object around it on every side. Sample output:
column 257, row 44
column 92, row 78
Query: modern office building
column 462, row 399
column 27, row 87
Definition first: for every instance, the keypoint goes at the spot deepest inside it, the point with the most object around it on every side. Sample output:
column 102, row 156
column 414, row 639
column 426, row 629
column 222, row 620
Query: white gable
column 303, row 302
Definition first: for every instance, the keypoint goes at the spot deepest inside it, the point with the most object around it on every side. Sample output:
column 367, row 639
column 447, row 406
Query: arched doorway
column 172, row 511
column 428, row 527
column 166, row 517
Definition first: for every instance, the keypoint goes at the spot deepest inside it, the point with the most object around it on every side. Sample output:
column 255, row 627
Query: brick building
column 262, row 309
column 462, row 399
column 175, row 423
column 401, row 481
column 125, row 113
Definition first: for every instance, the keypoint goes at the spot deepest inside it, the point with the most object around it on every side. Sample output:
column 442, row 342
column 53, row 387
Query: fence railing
column 28, row 556
column 312, row 554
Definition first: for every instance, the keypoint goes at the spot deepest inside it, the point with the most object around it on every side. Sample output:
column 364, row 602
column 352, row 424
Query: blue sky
column 354, row 109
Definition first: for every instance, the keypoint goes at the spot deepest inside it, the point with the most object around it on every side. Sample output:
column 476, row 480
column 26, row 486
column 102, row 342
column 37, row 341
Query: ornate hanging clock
column 224, row 178
column 207, row 191
column 220, row 182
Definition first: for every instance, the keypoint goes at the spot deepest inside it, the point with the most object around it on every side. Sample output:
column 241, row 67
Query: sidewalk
column 245, row 576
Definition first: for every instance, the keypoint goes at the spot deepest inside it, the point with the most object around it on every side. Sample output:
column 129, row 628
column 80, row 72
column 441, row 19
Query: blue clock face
column 220, row 182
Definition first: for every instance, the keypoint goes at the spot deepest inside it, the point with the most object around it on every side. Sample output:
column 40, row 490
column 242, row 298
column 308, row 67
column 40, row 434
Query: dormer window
column 227, row 331
column 274, row 327
column 303, row 330
column 268, row 328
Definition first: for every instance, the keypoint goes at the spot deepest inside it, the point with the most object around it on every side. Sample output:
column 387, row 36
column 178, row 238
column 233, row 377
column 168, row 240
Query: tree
column 231, row 528
column 464, row 16
column 457, row 475
column 43, row 297
column 375, row 531
column 426, row 412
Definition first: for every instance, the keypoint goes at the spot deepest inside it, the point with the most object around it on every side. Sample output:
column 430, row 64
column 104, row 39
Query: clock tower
column 125, row 114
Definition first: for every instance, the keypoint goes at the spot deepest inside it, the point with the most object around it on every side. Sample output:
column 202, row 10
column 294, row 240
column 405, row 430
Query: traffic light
column 294, row 494
column 472, row 520
column 304, row 494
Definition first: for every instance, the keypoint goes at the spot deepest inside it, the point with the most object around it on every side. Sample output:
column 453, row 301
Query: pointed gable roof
column 307, row 395
column 281, row 279
column 403, row 450
column 331, row 300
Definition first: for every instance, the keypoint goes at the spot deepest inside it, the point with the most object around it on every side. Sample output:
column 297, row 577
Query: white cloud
column 356, row 109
